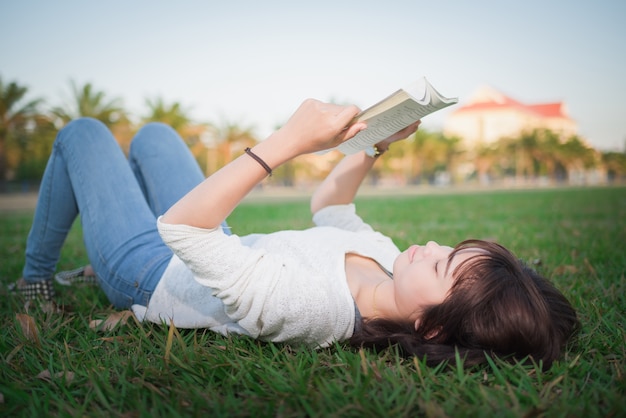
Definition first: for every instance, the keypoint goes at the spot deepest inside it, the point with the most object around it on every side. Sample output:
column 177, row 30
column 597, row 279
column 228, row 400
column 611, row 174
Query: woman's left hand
column 400, row 135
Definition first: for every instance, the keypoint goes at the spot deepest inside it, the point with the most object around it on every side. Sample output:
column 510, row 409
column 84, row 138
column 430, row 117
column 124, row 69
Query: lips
column 412, row 250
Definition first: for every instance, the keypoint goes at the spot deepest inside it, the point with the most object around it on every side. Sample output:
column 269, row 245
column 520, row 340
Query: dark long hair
column 497, row 306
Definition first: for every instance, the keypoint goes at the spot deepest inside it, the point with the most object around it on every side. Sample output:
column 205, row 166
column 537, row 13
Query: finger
column 346, row 115
column 411, row 129
column 351, row 131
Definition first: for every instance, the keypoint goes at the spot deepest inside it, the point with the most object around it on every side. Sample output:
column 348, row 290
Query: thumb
column 352, row 130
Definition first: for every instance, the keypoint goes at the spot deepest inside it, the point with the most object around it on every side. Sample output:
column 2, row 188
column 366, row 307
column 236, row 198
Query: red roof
column 546, row 110
column 549, row 110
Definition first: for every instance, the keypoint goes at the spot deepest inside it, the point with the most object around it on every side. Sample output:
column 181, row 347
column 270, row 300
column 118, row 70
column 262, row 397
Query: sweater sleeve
column 265, row 292
column 341, row 216
column 222, row 263
column 345, row 217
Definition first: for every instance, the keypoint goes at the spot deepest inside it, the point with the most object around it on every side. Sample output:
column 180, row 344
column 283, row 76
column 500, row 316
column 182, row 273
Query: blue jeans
column 118, row 201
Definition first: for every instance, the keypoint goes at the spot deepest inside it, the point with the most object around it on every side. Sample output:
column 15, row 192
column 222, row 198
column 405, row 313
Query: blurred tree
column 32, row 149
column 522, row 155
column 484, row 161
column 433, row 153
column 170, row 114
column 576, row 156
column 87, row 102
column 549, row 154
column 15, row 119
column 615, row 164
column 541, row 152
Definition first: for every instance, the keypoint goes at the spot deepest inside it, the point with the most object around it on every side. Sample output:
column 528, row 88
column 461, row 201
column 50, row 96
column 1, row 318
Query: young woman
column 156, row 237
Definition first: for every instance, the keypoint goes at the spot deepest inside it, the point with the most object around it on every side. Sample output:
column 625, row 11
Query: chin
column 401, row 259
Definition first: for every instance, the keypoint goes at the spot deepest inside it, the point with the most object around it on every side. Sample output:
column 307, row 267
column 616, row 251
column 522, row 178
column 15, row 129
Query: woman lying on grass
column 155, row 234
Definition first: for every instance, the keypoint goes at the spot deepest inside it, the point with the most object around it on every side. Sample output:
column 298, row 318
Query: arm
column 315, row 126
column 342, row 184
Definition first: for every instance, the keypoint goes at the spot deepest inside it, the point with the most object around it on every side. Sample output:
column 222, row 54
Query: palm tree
column 15, row 118
column 525, row 151
column 549, row 154
column 576, row 157
column 171, row 114
column 433, row 153
column 615, row 164
column 88, row 102
column 485, row 157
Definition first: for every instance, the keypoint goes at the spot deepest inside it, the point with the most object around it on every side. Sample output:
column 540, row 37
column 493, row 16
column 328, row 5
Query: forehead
column 461, row 256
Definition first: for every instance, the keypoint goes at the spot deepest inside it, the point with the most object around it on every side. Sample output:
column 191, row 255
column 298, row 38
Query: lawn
column 576, row 237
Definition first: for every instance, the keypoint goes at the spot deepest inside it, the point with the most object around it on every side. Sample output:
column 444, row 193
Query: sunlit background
column 254, row 61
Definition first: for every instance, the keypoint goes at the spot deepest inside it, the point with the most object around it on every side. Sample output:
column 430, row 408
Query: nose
column 431, row 244
column 432, row 247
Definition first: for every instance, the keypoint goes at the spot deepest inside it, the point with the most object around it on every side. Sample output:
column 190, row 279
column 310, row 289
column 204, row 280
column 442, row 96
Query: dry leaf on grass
column 170, row 340
column 112, row 321
column 565, row 269
column 366, row 366
column 46, row 306
column 590, row 268
column 118, row 338
column 29, row 328
column 45, row 375
column 148, row 385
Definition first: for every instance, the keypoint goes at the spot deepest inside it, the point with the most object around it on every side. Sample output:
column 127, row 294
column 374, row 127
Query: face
column 422, row 277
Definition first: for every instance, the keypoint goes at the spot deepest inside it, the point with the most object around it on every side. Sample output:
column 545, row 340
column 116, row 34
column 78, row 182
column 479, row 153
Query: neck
column 370, row 286
column 375, row 306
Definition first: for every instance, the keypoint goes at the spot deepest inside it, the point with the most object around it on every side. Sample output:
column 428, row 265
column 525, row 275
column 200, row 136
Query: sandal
column 70, row 277
column 32, row 291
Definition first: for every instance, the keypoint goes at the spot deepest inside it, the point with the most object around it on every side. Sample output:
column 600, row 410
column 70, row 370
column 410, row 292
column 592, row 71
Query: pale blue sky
column 253, row 62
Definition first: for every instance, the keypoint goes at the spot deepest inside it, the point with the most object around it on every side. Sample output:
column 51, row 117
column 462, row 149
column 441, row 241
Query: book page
column 387, row 124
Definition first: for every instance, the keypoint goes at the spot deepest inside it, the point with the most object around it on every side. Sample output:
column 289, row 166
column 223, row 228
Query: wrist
column 382, row 147
column 376, row 150
column 275, row 150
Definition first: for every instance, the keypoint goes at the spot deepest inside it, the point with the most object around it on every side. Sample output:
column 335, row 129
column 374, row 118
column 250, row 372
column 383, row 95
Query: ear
column 431, row 334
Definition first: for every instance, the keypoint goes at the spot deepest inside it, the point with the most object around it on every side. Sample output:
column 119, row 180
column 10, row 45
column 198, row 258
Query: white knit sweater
column 288, row 286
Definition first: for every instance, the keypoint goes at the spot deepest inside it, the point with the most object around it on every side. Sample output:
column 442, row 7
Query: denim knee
column 84, row 126
column 154, row 138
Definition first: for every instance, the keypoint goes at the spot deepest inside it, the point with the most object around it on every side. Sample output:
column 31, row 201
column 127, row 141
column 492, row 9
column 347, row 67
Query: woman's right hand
column 317, row 126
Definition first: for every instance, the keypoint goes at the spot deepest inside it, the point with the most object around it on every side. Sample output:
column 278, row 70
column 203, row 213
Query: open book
column 395, row 113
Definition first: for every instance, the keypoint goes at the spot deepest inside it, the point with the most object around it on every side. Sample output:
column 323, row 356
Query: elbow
column 316, row 204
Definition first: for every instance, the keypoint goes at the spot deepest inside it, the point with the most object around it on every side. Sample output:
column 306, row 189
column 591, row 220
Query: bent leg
column 55, row 213
column 164, row 167
column 119, row 228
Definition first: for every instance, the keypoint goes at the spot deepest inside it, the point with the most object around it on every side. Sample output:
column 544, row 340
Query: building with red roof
column 490, row 115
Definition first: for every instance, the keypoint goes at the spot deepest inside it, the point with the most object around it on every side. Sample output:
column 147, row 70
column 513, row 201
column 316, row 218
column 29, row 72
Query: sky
column 254, row 62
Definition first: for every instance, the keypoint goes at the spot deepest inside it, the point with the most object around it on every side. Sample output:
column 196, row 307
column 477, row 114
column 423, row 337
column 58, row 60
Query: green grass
column 575, row 236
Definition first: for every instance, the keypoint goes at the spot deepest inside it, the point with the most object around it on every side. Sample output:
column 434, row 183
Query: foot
column 31, row 291
column 83, row 274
